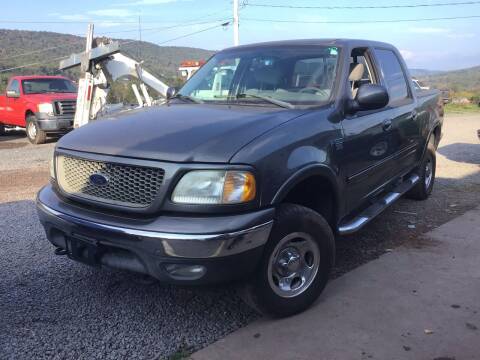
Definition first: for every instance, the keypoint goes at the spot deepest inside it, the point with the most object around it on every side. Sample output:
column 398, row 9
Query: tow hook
column 60, row 251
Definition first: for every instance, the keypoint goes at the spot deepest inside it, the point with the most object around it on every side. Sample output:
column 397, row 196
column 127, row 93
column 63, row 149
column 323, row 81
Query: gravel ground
column 52, row 308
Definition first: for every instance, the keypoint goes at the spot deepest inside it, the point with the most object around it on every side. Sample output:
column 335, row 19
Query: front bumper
column 55, row 123
column 187, row 250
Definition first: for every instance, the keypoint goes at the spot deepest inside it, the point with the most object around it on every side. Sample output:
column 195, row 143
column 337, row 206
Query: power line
column 32, row 52
column 342, row 7
column 113, row 32
column 164, row 27
column 125, row 43
column 186, row 35
column 33, row 64
column 360, row 21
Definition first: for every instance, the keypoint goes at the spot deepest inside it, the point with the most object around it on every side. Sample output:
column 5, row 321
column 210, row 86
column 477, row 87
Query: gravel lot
column 51, row 307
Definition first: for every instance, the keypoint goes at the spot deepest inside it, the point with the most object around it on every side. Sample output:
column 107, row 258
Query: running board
column 377, row 207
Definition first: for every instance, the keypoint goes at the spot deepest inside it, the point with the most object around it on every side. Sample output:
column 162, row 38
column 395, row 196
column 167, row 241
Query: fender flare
column 429, row 137
column 305, row 172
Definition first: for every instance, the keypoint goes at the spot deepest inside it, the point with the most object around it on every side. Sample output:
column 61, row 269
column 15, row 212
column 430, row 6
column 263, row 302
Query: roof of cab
column 30, row 77
column 314, row 42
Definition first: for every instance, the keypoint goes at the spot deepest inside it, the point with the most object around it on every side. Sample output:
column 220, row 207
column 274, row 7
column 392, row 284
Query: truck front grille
column 124, row 185
column 65, row 107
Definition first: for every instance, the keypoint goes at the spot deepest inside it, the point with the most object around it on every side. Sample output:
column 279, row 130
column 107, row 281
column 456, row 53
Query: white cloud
column 111, row 12
column 69, row 17
column 147, row 2
column 461, row 35
column 407, row 54
column 428, row 30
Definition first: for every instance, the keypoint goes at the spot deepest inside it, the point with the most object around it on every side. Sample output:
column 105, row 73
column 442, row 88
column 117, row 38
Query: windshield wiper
column 269, row 99
column 188, row 97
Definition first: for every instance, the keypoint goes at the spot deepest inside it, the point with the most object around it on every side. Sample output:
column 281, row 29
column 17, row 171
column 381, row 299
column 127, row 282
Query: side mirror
column 12, row 94
column 171, row 92
column 369, row 97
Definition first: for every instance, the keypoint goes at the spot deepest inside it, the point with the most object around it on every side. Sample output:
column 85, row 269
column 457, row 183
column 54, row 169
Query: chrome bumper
column 174, row 244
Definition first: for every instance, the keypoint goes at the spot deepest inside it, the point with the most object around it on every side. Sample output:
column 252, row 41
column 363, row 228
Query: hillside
column 162, row 61
column 457, row 81
column 423, row 72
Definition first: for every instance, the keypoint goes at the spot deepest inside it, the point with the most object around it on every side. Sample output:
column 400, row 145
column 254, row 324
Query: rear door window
column 393, row 75
column 14, row 86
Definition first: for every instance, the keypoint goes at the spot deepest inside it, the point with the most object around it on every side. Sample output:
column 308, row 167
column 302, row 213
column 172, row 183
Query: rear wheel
column 2, row 129
column 295, row 265
column 426, row 171
column 34, row 134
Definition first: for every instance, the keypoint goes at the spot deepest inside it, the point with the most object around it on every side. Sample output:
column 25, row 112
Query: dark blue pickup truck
column 250, row 171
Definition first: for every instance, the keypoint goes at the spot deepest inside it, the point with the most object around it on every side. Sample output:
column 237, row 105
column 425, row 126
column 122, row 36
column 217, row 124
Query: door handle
column 387, row 125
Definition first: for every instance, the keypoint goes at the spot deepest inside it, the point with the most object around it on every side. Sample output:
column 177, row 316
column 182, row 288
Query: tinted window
column 393, row 75
column 14, row 86
column 302, row 76
column 52, row 85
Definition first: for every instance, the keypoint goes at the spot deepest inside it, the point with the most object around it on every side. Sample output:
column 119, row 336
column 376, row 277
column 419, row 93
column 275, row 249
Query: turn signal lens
column 215, row 187
column 52, row 167
column 239, row 187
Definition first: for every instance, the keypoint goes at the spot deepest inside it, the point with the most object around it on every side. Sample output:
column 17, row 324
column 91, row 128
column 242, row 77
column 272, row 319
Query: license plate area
column 83, row 249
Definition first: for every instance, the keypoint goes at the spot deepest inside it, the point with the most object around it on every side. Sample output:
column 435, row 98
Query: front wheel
column 34, row 134
column 296, row 263
column 2, row 129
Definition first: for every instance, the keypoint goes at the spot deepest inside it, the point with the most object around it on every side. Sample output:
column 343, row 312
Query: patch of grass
column 461, row 108
column 182, row 353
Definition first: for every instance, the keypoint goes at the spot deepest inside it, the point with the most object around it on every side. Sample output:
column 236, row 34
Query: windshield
column 41, row 86
column 294, row 75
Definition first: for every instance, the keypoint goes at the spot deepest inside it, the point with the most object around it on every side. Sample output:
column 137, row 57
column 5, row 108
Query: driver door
column 13, row 111
column 367, row 144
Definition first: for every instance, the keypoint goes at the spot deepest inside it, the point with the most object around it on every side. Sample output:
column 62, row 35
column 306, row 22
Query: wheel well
column 316, row 193
column 28, row 113
column 437, row 133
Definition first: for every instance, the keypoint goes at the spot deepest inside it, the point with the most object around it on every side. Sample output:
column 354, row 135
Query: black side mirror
column 171, row 92
column 369, row 97
column 12, row 94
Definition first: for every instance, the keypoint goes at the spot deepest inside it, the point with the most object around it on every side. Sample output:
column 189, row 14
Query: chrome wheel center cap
column 289, row 261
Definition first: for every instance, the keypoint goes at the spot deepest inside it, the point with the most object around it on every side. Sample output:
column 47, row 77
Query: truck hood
column 178, row 132
column 44, row 98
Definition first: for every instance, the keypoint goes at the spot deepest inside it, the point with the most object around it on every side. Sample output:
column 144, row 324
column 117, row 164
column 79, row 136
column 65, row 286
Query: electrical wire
column 124, row 43
column 359, row 21
column 33, row 64
column 183, row 36
column 356, row 7
column 114, row 32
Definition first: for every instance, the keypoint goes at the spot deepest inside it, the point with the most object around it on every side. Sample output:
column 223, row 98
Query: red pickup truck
column 41, row 104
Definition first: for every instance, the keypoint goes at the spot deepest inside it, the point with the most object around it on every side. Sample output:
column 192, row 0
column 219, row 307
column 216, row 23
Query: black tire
column 423, row 189
column 2, row 129
column 34, row 134
column 291, row 219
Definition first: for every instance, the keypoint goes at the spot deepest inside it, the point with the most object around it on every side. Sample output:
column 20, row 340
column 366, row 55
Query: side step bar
column 377, row 207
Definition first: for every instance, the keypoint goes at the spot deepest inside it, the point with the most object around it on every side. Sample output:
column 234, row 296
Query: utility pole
column 236, row 41
column 139, row 38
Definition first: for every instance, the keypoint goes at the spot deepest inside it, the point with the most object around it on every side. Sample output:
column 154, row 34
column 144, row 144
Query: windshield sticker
column 333, row 51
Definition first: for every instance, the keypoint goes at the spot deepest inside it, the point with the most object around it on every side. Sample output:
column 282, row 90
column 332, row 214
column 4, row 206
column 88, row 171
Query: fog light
column 185, row 272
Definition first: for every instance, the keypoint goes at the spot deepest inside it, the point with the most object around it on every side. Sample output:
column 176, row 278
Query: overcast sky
column 437, row 45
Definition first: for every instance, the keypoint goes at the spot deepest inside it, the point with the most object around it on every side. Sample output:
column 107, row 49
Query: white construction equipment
column 101, row 64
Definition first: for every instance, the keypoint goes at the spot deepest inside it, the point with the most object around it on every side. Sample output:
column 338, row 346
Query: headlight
column 46, row 108
column 215, row 187
column 52, row 167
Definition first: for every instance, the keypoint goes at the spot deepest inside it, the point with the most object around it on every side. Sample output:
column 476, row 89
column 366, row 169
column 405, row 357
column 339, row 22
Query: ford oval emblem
column 98, row 179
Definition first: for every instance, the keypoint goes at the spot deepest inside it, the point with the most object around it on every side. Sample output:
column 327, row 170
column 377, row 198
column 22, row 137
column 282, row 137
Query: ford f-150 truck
column 263, row 157
column 41, row 104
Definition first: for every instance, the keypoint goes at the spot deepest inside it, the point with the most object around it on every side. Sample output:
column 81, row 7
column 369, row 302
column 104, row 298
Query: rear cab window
column 394, row 77
column 14, row 86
